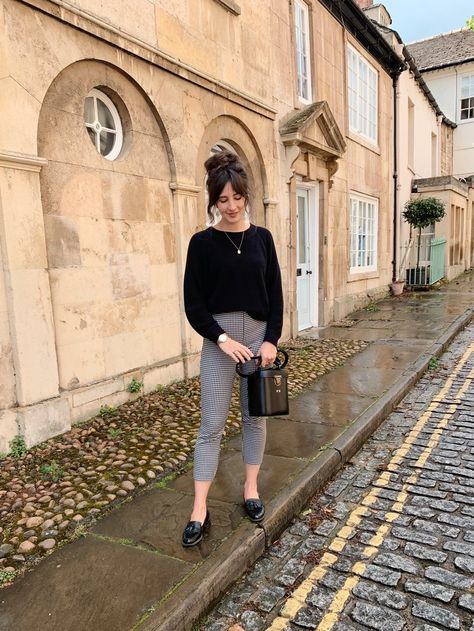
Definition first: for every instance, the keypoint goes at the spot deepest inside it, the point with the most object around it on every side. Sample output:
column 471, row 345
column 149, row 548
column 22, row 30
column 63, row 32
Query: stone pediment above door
column 314, row 129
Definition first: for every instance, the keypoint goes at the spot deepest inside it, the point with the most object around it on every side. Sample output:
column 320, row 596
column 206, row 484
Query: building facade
column 447, row 64
column 106, row 123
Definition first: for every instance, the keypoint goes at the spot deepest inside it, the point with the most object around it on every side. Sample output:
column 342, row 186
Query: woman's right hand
column 237, row 351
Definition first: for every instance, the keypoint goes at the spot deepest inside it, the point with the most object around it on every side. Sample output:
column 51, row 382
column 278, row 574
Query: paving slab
column 275, row 473
column 293, row 439
column 155, row 517
column 89, row 584
column 338, row 409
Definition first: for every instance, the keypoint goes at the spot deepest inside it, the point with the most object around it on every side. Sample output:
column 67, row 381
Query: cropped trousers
column 217, row 378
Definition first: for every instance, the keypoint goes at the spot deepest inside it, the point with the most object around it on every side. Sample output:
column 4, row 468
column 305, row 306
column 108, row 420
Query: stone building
column 107, row 119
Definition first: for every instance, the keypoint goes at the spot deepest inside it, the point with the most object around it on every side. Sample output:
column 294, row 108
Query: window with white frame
column 467, row 97
column 362, row 86
column 303, row 60
column 103, row 124
column 364, row 229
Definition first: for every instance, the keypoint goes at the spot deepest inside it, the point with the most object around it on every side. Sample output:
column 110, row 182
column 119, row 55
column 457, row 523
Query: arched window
column 103, row 124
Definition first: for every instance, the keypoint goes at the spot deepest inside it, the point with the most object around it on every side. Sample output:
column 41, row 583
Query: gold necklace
column 239, row 249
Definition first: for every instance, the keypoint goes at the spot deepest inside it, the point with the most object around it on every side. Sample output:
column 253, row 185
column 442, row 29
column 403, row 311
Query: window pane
column 107, row 140
column 362, row 95
column 92, row 135
column 89, row 114
column 105, row 115
column 301, row 231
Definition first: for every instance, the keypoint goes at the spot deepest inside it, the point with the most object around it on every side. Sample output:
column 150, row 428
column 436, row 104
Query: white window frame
column 362, row 96
column 302, row 50
column 470, row 77
column 359, row 223
column 97, row 127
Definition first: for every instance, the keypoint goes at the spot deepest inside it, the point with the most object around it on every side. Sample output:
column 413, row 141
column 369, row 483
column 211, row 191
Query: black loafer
column 194, row 531
column 255, row 510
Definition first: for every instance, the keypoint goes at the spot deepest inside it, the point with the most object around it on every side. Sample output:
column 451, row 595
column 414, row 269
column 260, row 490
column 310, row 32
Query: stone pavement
column 389, row 544
column 130, row 570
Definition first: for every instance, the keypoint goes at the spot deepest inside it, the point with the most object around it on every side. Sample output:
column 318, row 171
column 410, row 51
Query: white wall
column 425, row 125
column 445, row 84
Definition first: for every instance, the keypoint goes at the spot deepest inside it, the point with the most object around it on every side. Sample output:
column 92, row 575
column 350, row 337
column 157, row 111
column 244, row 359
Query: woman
column 233, row 298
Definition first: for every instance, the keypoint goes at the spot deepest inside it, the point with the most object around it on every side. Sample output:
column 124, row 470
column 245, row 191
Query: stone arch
column 109, row 230
column 235, row 133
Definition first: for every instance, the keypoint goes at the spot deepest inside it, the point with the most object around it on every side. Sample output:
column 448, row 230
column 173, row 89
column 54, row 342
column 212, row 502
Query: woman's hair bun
column 221, row 160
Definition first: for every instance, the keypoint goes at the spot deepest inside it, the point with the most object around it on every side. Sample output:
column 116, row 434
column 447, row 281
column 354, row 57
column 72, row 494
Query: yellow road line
column 331, row 617
column 297, row 600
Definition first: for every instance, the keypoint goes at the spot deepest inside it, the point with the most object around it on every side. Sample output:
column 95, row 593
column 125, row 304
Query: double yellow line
column 298, row 598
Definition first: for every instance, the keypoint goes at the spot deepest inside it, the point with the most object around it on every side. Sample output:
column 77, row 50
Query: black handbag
column 267, row 387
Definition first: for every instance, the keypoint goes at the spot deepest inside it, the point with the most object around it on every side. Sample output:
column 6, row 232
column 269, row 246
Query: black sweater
column 218, row 280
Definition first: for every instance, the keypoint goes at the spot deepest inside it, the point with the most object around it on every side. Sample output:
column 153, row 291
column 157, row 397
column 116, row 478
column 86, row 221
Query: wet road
column 389, row 544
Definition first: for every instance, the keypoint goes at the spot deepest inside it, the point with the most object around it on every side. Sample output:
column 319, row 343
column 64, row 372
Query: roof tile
column 448, row 49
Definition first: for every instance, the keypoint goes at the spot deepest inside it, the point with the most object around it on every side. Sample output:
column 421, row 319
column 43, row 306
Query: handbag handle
column 277, row 364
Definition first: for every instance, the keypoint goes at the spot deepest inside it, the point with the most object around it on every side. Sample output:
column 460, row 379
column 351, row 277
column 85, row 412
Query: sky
column 419, row 19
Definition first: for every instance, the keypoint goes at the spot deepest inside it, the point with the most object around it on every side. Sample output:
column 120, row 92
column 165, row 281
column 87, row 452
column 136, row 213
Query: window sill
column 354, row 277
column 231, row 6
column 360, row 140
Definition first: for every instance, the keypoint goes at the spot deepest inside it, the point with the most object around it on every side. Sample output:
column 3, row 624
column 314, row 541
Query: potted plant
column 421, row 213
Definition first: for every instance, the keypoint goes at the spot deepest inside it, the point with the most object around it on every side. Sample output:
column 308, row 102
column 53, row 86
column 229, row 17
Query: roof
column 352, row 18
column 442, row 51
column 386, row 31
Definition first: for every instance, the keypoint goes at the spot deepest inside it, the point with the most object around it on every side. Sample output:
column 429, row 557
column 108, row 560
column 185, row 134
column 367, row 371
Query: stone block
column 62, row 239
column 163, row 375
column 192, row 365
column 67, row 285
column 8, row 429
column 22, row 220
column 81, row 363
column 127, row 350
column 43, row 420
column 97, row 391
column 33, row 337
column 19, row 120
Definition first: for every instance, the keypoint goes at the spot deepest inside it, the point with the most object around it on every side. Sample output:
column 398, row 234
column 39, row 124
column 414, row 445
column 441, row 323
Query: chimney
column 364, row 4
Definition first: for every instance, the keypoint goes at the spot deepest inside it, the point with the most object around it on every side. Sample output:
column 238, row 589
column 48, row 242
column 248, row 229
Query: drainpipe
column 395, row 175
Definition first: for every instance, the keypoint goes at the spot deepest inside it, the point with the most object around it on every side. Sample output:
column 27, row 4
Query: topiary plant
column 421, row 213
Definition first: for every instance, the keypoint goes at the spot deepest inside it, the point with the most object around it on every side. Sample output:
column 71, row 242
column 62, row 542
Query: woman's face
column 231, row 206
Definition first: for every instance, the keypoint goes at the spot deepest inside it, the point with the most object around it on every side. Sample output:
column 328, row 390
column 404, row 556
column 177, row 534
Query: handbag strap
column 277, row 364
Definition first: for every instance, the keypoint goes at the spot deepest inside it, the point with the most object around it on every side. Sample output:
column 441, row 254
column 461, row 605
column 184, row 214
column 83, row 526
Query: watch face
column 222, row 338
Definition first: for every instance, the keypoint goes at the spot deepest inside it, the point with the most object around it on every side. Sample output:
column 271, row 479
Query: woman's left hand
column 268, row 353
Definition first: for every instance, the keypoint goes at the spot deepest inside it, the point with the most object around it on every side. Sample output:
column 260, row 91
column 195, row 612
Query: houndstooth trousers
column 217, row 378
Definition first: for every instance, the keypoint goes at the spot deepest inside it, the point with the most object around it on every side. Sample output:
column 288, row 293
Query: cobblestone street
column 389, row 544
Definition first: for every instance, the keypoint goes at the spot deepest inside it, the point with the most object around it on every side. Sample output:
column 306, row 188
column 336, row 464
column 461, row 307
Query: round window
column 103, row 124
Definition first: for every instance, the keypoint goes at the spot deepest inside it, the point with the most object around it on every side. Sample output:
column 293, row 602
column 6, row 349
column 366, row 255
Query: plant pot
column 397, row 287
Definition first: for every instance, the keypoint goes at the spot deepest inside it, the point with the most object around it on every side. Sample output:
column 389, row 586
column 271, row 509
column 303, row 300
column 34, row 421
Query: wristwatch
column 222, row 338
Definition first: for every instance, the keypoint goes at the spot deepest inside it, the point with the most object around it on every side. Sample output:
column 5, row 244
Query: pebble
column 26, row 547
column 127, row 485
column 34, row 522
column 47, row 544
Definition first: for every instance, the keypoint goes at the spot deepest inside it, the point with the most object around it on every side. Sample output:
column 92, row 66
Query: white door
column 306, row 258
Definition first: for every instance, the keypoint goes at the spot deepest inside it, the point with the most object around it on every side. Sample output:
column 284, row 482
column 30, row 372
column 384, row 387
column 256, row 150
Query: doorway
column 307, row 239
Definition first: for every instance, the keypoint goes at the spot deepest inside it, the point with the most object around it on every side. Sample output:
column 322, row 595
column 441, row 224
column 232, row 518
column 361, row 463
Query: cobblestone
column 448, row 578
column 375, row 593
column 466, row 601
column 432, row 590
column 439, row 615
column 377, row 617
column 397, row 562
